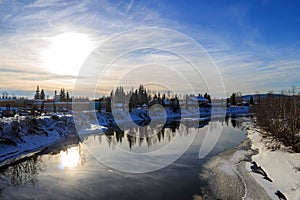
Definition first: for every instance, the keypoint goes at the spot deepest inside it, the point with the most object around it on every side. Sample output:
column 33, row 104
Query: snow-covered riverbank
column 233, row 174
column 24, row 136
column 228, row 178
column 281, row 166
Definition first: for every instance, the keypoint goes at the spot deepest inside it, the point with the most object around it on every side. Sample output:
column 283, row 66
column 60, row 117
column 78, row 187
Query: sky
column 254, row 45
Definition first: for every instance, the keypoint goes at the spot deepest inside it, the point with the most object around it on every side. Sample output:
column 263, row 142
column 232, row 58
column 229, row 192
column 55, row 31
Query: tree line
column 63, row 95
column 236, row 99
column 141, row 97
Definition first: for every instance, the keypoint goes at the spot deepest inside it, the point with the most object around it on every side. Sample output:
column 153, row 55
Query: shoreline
column 32, row 136
column 281, row 165
column 230, row 176
column 17, row 155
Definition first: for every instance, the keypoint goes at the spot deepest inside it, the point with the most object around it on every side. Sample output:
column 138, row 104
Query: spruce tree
column 233, row 100
column 68, row 96
column 209, row 99
column 42, row 94
column 37, row 93
column 251, row 100
column 62, row 94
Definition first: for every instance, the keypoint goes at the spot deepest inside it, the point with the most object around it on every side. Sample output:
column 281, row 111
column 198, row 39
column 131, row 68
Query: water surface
column 71, row 172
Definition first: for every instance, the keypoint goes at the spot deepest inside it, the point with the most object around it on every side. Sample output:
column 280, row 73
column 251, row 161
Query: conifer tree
column 251, row 100
column 37, row 93
column 42, row 94
column 232, row 99
column 68, row 96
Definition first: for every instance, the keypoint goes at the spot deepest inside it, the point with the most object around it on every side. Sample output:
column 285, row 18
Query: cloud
column 245, row 64
column 26, row 29
column 250, row 71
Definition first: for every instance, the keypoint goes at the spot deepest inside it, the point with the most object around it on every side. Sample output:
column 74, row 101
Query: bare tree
column 280, row 117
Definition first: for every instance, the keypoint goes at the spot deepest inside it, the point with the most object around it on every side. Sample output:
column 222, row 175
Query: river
column 70, row 171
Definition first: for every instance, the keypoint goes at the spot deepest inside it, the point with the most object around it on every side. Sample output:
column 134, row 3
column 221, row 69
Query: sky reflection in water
column 69, row 158
column 72, row 173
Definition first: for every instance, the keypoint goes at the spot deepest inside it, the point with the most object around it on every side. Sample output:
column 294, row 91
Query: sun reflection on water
column 70, row 158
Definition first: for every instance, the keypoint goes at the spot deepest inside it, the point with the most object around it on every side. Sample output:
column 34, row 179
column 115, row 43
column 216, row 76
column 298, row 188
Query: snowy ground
column 229, row 175
column 281, row 166
column 24, row 136
column 228, row 178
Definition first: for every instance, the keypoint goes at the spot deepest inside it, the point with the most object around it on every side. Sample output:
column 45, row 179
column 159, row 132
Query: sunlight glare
column 67, row 52
column 70, row 157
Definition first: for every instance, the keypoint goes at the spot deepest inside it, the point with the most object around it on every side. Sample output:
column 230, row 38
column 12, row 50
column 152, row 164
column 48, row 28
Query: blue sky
column 255, row 44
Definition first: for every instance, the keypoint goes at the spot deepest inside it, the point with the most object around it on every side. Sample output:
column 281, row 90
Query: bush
column 279, row 116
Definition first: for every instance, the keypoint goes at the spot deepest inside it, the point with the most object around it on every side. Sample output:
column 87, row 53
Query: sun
column 66, row 53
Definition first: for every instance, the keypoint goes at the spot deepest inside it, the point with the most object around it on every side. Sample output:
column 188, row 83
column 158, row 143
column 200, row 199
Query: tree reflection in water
column 237, row 121
column 152, row 135
column 1, row 191
column 25, row 171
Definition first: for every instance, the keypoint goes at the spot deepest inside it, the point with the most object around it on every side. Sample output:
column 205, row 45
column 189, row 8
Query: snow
column 281, row 166
column 224, row 178
column 226, row 167
column 232, row 169
column 27, row 135
column 32, row 143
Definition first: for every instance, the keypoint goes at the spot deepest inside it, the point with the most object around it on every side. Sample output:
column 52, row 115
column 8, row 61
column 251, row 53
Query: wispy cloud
column 27, row 27
column 246, row 64
column 262, row 69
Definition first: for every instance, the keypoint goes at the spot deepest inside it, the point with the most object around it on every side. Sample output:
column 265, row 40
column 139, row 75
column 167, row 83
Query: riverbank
column 281, row 165
column 228, row 178
column 24, row 136
column 232, row 174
